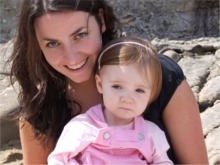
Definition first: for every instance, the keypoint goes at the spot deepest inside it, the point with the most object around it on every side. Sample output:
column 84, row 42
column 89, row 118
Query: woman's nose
column 70, row 52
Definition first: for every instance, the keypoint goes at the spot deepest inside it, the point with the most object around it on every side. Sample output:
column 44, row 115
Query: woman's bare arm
column 182, row 120
column 33, row 151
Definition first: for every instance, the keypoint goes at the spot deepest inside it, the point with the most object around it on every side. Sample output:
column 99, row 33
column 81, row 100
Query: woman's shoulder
column 170, row 66
column 172, row 76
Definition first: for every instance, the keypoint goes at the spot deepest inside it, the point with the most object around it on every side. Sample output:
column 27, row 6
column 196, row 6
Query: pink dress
column 88, row 140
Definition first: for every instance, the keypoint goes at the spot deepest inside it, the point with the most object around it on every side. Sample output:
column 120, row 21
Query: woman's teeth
column 78, row 66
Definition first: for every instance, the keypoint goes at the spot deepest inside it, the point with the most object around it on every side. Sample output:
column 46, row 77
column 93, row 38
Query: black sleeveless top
column 172, row 76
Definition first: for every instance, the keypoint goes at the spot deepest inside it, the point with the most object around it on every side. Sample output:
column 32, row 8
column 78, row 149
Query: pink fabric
column 88, row 140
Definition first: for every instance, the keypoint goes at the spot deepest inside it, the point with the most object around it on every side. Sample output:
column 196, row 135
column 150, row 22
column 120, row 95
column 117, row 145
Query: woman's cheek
column 95, row 42
column 52, row 58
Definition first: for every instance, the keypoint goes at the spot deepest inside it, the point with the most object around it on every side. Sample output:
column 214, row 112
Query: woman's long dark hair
column 43, row 89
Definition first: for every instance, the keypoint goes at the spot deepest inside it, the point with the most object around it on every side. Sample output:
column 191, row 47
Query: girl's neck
column 85, row 93
column 112, row 120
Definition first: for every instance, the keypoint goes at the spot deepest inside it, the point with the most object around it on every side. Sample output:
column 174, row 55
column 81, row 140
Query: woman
column 53, row 60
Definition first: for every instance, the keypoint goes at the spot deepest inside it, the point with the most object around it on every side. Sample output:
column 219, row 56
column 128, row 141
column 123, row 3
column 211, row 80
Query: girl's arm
column 33, row 151
column 159, row 145
column 75, row 137
column 182, row 120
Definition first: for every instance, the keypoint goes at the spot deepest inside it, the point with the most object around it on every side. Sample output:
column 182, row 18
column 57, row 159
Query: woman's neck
column 85, row 93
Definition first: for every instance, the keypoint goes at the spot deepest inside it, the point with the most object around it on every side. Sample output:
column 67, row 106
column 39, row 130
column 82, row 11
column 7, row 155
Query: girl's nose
column 126, row 98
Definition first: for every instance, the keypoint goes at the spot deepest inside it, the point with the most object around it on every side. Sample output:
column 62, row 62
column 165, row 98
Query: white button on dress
column 106, row 135
column 140, row 136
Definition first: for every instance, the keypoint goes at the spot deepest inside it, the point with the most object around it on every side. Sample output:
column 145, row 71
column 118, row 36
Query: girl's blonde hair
column 128, row 50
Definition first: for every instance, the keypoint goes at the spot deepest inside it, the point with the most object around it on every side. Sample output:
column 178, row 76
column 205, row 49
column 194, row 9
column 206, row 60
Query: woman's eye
column 140, row 91
column 116, row 87
column 81, row 35
column 52, row 44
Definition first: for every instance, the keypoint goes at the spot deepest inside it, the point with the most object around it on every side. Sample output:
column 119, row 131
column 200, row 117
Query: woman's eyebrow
column 72, row 34
column 77, row 31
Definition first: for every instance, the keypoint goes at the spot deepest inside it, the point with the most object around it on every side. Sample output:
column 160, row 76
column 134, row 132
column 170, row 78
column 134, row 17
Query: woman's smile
column 78, row 66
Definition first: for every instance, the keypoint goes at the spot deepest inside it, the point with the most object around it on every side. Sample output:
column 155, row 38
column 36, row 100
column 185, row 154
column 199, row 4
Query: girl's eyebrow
column 72, row 34
column 143, row 86
column 116, row 81
column 138, row 85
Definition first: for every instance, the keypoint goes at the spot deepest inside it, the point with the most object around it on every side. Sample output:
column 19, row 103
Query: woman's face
column 70, row 42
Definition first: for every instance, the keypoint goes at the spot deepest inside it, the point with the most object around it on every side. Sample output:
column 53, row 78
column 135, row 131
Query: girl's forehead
column 124, row 73
column 119, row 69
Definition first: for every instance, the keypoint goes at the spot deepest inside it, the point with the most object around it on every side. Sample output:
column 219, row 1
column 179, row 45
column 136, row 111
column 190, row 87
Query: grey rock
column 213, row 146
column 5, row 52
column 210, row 119
column 172, row 54
column 8, row 99
column 217, row 53
column 209, row 44
column 210, row 92
column 196, row 69
column 214, row 70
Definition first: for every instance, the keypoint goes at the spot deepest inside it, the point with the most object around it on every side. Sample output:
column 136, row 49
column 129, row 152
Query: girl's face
column 70, row 42
column 125, row 91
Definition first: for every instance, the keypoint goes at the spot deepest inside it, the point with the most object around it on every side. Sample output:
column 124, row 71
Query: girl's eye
column 52, row 44
column 81, row 35
column 116, row 87
column 140, row 91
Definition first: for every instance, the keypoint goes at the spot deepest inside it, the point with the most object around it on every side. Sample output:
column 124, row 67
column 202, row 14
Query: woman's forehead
column 66, row 23
column 63, row 17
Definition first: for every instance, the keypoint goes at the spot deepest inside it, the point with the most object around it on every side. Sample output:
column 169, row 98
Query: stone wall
column 173, row 19
column 8, row 19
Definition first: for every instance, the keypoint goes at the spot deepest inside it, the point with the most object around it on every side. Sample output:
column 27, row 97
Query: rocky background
column 185, row 30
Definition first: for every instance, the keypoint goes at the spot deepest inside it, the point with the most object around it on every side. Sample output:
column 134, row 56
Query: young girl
column 53, row 60
column 129, row 78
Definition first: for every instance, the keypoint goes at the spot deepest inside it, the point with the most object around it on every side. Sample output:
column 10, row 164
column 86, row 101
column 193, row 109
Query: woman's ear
column 102, row 19
column 98, row 83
